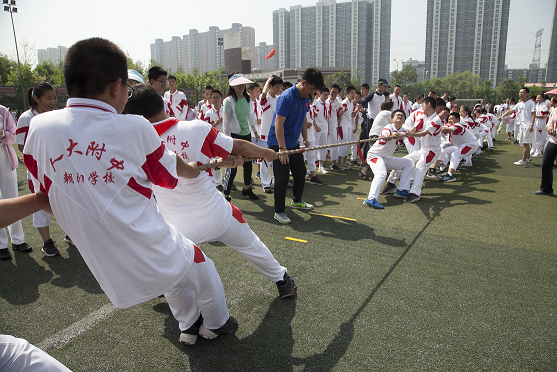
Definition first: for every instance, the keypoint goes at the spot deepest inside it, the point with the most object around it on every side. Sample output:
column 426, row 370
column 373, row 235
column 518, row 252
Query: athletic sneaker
column 316, row 181
column 539, row 192
column 529, row 160
column 249, row 192
column 68, row 240
column 520, row 162
column 49, row 248
column 373, row 203
column 230, row 326
column 258, row 176
column 189, row 336
column 344, row 166
column 389, row 187
column 23, row 247
column 354, row 163
column 228, row 198
column 431, row 173
column 411, row 198
column 251, row 182
column 282, row 218
column 233, row 187
column 286, row 286
column 267, row 190
column 308, row 174
column 466, row 164
column 322, row 170
column 220, row 188
column 300, row 205
column 335, row 168
column 401, row 194
column 5, row 254
column 448, row 178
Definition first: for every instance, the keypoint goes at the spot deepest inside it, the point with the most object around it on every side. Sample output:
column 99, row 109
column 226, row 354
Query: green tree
column 340, row 78
column 6, row 66
column 50, row 72
column 405, row 77
column 29, row 76
column 138, row 65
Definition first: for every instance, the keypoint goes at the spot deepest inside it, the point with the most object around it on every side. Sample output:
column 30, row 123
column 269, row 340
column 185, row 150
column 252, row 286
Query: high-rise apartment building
column 53, row 55
column 551, row 75
column 354, row 34
column 261, row 51
column 199, row 49
column 467, row 35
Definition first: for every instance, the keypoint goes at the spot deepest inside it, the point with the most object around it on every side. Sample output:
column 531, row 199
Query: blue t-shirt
column 294, row 108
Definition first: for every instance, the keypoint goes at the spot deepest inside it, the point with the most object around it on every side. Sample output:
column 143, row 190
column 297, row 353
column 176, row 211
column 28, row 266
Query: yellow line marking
column 328, row 215
column 296, row 240
column 361, row 198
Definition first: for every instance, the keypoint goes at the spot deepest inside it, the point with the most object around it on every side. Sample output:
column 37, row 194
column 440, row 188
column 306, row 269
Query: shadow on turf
column 21, row 279
column 268, row 348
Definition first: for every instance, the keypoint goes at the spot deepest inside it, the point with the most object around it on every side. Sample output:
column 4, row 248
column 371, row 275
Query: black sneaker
column 49, row 248
column 249, row 192
column 267, row 190
column 251, row 182
column 23, row 247
column 412, row 198
column 430, row 173
column 228, row 199
column 230, row 326
column 316, row 181
column 233, row 187
column 220, row 188
column 389, row 187
column 354, row 162
column 68, row 240
column 286, row 286
column 335, row 168
column 5, row 254
column 189, row 336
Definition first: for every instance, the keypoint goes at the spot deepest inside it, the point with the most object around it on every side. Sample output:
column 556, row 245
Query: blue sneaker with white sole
column 401, row 194
column 372, row 203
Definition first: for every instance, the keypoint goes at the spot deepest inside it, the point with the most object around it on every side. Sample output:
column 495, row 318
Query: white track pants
column 332, row 140
column 8, row 190
column 427, row 157
column 459, row 153
column 379, row 168
column 321, row 140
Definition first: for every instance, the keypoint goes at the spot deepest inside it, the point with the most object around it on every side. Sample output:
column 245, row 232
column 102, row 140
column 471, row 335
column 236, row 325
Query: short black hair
column 398, row 110
column 252, row 86
column 313, row 76
column 336, row 86
column 217, row 92
column 387, row 105
column 91, row 65
column 365, row 85
column 432, row 92
column 155, row 72
column 456, row 115
column 440, row 102
column 286, row 85
column 324, row 89
column 37, row 90
column 145, row 101
column 431, row 101
column 172, row 77
column 526, row 89
column 275, row 80
column 350, row 88
column 398, row 86
column 208, row 87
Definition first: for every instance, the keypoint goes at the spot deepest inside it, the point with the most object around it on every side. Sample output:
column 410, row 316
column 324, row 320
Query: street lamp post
column 394, row 59
column 10, row 7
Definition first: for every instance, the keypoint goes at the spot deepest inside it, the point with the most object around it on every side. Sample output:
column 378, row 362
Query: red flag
column 273, row 52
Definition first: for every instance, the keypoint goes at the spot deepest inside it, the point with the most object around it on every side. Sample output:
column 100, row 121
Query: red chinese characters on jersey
column 171, row 140
column 95, row 150
column 68, row 178
column 185, row 145
column 93, row 178
column 108, row 178
column 80, row 178
column 55, row 160
column 116, row 164
column 70, row 149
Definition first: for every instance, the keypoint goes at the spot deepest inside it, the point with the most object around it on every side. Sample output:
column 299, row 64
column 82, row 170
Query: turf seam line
column 81, row 326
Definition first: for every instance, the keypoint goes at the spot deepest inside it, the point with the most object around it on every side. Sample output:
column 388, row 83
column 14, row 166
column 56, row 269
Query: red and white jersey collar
column 164, row 125
column 89, row 104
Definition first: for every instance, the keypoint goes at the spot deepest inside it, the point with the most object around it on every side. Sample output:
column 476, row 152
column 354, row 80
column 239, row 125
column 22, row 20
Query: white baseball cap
column 238, row 79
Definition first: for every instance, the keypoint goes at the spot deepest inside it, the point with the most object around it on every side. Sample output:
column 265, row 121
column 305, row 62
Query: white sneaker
column 322, row 170
column 466, row 164
column 520, row 162
column 308, row 174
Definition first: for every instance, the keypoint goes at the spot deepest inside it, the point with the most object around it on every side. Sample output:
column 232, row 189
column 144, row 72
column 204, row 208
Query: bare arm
column 14, row 209
column 186, row 170
column 251, row 150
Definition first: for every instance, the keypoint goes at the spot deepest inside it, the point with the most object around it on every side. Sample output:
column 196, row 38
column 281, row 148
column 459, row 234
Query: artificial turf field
column 463, row 280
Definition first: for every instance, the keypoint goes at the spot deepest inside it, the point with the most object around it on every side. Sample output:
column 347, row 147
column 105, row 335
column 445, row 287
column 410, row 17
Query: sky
column 131, row 25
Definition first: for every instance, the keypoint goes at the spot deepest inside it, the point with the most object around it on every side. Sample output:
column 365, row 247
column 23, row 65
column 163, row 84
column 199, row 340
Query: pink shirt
column 9, row 128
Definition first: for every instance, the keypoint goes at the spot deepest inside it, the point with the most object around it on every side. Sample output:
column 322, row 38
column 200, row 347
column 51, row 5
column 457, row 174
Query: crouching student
column 98, row 169
column 380, row 159
column 186, row 205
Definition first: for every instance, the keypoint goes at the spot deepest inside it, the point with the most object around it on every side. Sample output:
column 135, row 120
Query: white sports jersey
column 310, row 130
column 204, row 108
column 23, row 126
column 416, row 106
column 213, row 115
column 194, row 141
column 493, row 121
column 397, row 102
column 179, row 103
column 524, row 112
column 321, row 113
column 469, row 122
column 407, row 108
column 268, row 105
column 98, row 169
column 335, row 108
column 346, row 111
column 461, row 135
column 254, row 117
column 432, row 141
column 416, row 119
column 541, row 110
column 168, row 107
column 384, row 148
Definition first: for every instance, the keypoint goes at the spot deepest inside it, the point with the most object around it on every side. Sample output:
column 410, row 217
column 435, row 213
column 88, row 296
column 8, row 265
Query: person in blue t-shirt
column 288, row 122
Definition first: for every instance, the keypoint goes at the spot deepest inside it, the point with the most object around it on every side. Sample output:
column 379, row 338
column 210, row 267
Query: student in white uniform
column 418, row 103
column 214, row 117
column 464, row 142
column 268, row 103
column 356, row 120
column 525, row 115
column 346, row 127
column 310, row 156
column 205, row 104
column 177, row 99
column 321, row 116
column 157, row 78
column 380, row 159
column 42, row 98
column 8, row 184
column 406, row 105
column 396, row 98
column 335, row 108
column 542, row 115
column 98, row 169
column 186, row 206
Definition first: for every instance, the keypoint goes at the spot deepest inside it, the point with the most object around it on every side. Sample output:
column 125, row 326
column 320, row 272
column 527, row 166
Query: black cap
column 384, row 82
